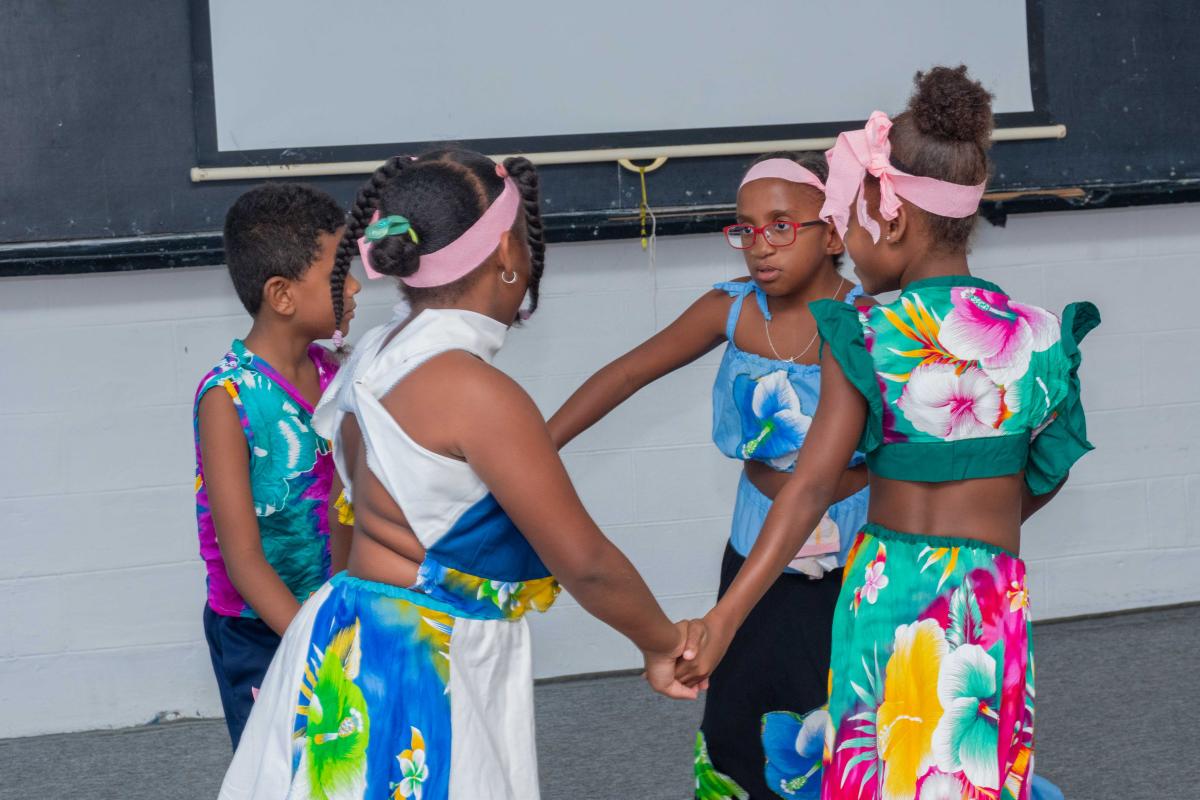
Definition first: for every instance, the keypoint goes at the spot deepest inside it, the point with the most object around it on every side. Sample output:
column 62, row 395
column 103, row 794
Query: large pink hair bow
column 857, row 153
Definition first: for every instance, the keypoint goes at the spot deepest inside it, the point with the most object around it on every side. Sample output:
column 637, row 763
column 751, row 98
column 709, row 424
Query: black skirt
column 778, row 661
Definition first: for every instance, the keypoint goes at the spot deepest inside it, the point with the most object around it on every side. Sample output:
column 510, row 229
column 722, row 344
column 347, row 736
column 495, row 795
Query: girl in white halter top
column 408, row 675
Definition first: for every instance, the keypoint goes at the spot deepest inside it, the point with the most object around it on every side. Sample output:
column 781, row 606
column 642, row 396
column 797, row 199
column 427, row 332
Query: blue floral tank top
column 762, row 407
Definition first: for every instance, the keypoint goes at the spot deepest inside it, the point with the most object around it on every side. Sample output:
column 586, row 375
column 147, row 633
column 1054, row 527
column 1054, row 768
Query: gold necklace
column 811, row 342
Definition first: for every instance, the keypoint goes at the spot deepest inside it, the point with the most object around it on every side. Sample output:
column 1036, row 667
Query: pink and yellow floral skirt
column 931, row 679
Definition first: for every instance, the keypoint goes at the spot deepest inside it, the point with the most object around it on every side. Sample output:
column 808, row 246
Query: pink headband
column 466, row 252
column 785, row 169
column 857, row 153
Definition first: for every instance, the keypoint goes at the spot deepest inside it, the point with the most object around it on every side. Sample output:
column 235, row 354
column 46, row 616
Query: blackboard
column 98, row 136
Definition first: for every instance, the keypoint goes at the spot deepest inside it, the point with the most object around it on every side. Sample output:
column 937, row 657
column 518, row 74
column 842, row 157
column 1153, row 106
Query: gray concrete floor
column 1116, row 710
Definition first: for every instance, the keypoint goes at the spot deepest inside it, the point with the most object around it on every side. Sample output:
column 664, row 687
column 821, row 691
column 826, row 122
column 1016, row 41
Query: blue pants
column 241, row 649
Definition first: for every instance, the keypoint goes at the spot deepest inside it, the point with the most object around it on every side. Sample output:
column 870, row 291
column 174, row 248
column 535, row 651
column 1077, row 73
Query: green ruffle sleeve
column 841, row 331
column 1064, row 441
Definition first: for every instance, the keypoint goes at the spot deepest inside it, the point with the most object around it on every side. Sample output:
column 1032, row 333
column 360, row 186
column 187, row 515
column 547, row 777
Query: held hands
column 684, row 673
column 714, row 636
column 661, row 668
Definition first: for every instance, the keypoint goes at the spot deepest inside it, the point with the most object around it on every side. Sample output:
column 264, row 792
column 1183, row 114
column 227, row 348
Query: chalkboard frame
column 1126, row 145
column 174, row 251
column 208, row 153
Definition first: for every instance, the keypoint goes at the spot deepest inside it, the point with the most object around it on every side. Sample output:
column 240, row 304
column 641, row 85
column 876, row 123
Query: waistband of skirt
column 877, row 531
column 344, row 580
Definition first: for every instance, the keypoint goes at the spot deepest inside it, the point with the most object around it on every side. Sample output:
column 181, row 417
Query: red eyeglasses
column 779, row 233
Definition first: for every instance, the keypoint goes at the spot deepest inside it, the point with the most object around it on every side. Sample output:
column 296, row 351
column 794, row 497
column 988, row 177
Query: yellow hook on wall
column 644, row 206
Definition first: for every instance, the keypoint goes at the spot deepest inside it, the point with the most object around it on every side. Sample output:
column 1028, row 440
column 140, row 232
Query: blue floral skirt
column 383, row 692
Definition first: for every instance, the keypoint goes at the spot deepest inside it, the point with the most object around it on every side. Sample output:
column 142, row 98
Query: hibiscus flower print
column 967, row 736
column 911, row 710
column 794, row 746
column 952, row 402
column 504, row 594
column 413, row 769
column 939, row 786
column 874, row 582
column 1018, row 598
column 774, row 426
column 489, row 598
column 997, row 332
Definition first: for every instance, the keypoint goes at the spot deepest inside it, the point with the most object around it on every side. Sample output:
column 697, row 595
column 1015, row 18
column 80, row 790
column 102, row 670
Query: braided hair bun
column 396, row 256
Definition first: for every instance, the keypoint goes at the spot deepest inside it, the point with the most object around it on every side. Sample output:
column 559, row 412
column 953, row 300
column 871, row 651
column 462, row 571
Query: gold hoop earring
column 506, row 280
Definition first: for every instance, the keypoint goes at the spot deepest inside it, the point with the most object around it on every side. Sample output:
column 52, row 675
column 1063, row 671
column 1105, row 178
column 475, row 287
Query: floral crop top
column 762, row 407
column 963, row 382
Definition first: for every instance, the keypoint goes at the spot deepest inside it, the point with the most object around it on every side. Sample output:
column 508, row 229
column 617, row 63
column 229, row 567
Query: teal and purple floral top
column 291, row 469
column 961, row 382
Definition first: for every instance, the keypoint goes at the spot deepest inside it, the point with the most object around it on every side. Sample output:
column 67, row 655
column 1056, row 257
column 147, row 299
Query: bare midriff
column 384, row 547
column 986, row 509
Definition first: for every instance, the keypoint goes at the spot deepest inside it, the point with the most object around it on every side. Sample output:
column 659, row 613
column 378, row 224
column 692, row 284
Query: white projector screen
column 294, row 74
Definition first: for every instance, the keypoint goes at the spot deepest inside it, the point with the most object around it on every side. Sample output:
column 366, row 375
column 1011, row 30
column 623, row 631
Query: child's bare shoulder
column 724, row 292
column 223, row 377
column 720, row 297
column 712, row 307
column 469, row 373
column 218, row 426
column 462, row 381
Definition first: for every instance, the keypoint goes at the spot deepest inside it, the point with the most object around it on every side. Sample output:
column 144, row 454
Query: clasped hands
column 683, row 673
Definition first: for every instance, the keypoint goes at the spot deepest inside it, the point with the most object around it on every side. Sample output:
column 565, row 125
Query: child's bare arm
column 340, row 534
column 1032, row 503
column 831, row 439
column 697, row 330
column 226, row 462
column 507, row 444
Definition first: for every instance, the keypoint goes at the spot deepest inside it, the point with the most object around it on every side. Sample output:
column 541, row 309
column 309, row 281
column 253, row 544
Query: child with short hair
column 263, row 476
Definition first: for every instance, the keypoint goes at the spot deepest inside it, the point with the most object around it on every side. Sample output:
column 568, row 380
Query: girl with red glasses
column 764, row 396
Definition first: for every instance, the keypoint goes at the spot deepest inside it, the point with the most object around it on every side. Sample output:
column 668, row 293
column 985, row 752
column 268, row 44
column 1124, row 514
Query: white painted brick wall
column 102, row 589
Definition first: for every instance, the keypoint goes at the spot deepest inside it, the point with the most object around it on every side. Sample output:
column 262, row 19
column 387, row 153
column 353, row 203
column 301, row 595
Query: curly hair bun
column 947, row 104
column 396, row 256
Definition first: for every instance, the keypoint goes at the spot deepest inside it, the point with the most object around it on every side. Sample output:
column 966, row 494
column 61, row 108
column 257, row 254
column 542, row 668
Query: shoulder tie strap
column 856, row 291
column 738, row 291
